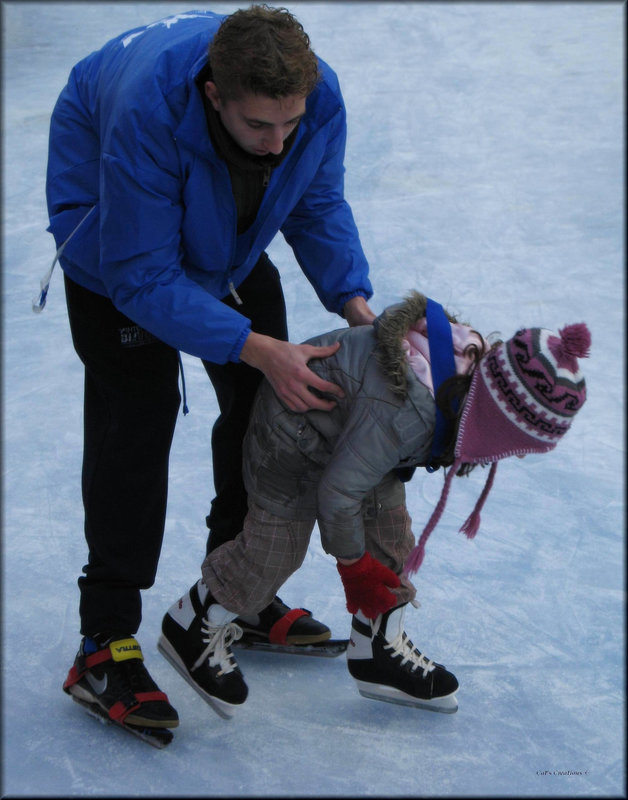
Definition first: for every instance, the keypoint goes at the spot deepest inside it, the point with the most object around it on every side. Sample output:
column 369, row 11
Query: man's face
column 259, row 124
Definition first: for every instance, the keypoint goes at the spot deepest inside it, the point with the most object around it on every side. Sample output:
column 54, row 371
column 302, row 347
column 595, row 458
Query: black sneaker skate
column 110, row 680
column 196, row 636
column 282, row 627
column 387, row 666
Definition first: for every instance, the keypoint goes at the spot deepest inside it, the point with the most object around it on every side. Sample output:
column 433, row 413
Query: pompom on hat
column 523, row 397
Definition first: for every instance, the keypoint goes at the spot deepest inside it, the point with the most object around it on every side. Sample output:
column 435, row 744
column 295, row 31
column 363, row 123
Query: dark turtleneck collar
column 225, row 145
column 249, row 174
column 231, row 152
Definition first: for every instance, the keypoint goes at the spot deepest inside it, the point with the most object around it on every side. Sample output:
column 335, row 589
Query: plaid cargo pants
column 245, row 574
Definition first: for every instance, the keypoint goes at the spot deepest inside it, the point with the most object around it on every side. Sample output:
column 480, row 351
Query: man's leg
column 235, row 386
column 130, row 411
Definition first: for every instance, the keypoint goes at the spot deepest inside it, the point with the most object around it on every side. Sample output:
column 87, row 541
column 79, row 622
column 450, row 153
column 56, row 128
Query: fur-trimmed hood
column 391, row 327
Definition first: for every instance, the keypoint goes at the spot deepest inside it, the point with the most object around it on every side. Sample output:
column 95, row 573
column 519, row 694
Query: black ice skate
column 387, row 666
column 281, row 629
column 110, row 680
column 196, row 636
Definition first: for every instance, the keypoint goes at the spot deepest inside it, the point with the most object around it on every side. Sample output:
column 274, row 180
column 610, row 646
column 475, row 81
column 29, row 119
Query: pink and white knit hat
column 522, row 399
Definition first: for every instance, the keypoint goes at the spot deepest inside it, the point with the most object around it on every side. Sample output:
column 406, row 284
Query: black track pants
column 235, row 386
column 130, row 411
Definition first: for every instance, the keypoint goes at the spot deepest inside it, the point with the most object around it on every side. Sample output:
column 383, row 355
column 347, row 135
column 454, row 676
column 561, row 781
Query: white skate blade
column 221, row 707
column 448, row 704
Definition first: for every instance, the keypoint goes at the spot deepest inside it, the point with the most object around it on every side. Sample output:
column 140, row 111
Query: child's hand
column 367, row 584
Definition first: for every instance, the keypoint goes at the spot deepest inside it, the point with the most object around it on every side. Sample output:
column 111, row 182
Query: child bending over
column 420, row 390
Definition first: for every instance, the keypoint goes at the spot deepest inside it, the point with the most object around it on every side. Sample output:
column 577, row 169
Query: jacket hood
column 391, row 327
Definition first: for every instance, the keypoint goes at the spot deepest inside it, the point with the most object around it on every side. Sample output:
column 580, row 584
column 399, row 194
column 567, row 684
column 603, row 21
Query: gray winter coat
column 337, row 465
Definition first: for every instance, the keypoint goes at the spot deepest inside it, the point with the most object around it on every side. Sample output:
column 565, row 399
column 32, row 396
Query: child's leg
column 381, row 658
column 389, row 539
column 243, row 575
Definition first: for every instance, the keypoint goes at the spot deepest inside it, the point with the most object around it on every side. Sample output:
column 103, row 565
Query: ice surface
column 485, row 167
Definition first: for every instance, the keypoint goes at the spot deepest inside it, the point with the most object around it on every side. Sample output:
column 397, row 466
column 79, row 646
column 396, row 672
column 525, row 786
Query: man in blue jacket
column 177, row 152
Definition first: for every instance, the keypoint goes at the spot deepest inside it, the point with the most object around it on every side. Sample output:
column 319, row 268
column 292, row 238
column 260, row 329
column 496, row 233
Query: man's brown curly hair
column 262, row 50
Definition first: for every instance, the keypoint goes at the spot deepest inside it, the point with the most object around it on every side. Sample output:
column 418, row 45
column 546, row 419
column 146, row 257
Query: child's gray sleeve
column 364, row 454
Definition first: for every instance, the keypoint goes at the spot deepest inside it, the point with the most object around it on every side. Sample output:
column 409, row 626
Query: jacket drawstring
column 185, row 400
column 234, row 294
column 40, row 301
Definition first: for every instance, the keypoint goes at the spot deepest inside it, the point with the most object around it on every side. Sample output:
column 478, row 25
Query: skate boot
column 387, row 666
column 110, row 680
column 196, row 636
column 280, row 625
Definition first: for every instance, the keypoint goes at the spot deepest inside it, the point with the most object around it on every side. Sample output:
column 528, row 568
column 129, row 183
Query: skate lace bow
column 403, row 647
column 218, row 640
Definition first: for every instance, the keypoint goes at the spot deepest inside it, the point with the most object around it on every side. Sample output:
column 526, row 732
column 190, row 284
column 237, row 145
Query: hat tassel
column 472, row 524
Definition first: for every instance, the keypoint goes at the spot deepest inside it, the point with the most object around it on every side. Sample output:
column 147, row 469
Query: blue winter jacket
column 129, row 139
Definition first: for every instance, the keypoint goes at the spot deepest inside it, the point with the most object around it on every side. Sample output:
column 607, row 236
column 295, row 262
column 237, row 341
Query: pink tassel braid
column 472, row 524
column 415, row 559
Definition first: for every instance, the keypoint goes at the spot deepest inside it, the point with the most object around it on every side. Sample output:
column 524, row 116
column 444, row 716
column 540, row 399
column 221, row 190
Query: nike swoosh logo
column 99, row 685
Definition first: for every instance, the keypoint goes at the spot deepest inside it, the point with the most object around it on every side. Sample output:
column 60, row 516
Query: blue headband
column 443, row 366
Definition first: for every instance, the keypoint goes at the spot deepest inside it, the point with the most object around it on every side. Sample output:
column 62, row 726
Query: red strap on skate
column 119, row 712
column 279, row 632
column 91, row 660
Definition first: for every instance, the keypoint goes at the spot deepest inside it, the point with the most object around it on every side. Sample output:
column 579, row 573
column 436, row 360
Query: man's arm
column 357, row 312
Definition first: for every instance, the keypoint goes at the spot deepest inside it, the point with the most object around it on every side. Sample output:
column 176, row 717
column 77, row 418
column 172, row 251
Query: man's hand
column 357, row 312
column 285, row 366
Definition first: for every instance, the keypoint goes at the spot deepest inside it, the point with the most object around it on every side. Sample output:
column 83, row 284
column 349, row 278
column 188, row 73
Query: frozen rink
column 485, row 167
